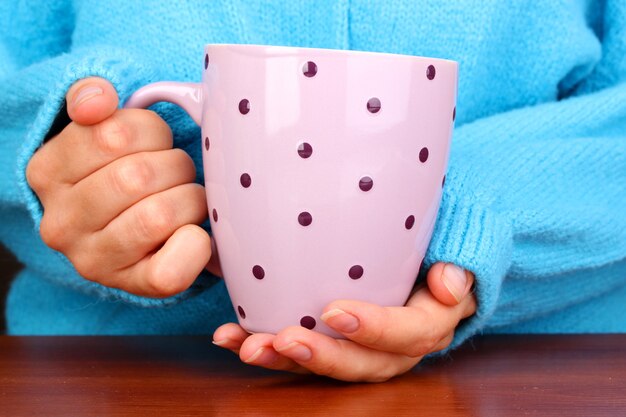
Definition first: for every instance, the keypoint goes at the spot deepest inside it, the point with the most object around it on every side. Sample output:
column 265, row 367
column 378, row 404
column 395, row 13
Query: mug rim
column 283, row 50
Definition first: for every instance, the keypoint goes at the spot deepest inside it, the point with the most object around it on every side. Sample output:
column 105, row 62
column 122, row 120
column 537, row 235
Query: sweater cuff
column 127, row 75
column 478, row 239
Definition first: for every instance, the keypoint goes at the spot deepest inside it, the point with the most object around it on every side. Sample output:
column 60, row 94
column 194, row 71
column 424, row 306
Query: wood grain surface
column 187, row 376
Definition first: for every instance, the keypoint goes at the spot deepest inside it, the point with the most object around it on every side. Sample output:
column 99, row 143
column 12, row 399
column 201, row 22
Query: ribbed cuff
column 126, row 74
column 479, row 240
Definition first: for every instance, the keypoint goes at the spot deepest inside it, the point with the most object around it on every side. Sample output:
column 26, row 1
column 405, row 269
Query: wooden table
column 185, row 376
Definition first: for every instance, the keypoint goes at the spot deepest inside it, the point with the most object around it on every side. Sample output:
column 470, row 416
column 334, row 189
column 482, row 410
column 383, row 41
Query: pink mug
column 323, row 171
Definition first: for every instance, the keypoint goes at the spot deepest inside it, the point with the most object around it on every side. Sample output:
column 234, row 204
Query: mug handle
column 186, row 95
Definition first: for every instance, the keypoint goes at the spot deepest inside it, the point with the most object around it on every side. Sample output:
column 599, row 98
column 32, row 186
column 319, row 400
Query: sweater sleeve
column 38, row 67
column 536, row 195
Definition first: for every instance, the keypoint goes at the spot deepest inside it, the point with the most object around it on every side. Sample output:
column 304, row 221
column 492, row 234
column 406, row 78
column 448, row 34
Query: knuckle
column 183, row 161
column 197, row 198
column 163, row 281
column 112, row 136
column 133, row 175
column 53, row 229
column 161, row 127
column 198, row 192
column 150, row 121
column 85, row 264
column 35, row 175
column 155, row 220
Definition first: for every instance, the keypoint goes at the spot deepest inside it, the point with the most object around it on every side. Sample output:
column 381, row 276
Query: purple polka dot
column 430, row 72
column 305, row 218
column 443, row 181
column 206, row 61
column 373, row 105
column 366, row 183
column 305, row 150
column 424, row 154
column 355, row 272
column 309, row 69
column 245, row 180
column 214, row 215
column 206, row 143
column 409, row 222
column 244, row 106
column 454, row 114
column 242, row 313
column 258, row 272
column 308, row 322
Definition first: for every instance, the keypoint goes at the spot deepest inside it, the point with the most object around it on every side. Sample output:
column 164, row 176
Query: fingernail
column 86, row 93
column 221, row 342
column 341, row 321
column 455, row 280
column 296, row 351
column 263, row 356
column 255, row 356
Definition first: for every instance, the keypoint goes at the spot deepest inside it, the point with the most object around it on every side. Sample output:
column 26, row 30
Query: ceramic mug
column 323, row 172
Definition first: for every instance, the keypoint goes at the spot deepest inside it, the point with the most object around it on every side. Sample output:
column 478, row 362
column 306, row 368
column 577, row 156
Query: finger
column 466, row 308
column 339, row 359
column 449, row 283
column 79, row 151
column 414, row 330
column 230, row 336
column 258, row 350
column 106, row 193
column 142, row 228
column 91, row 100
column 172, row 269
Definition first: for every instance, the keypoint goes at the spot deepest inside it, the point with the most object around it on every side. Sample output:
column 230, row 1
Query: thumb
column 91, row 100
column 449, row 283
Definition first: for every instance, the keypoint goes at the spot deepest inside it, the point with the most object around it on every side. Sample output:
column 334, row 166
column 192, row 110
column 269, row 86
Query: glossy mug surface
column 323, row 171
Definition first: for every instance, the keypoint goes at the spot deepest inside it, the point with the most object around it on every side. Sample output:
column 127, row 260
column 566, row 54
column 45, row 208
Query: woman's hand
column 119, row 201
column 382, row 341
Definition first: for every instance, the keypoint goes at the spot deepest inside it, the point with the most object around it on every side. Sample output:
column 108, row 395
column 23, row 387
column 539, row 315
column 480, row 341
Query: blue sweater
column 535, row 197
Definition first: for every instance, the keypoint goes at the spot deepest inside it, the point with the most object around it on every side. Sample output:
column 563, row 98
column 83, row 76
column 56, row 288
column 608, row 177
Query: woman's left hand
column 382, row 341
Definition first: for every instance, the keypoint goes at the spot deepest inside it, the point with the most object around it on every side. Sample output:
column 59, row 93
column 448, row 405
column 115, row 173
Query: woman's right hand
column 119, row 202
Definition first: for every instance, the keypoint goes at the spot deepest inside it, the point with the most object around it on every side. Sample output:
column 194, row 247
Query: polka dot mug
column 323, row 170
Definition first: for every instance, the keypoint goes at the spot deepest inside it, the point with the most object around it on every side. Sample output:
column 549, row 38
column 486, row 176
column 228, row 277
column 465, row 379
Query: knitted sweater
column 534, row 197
